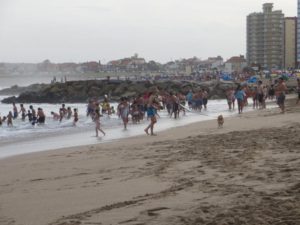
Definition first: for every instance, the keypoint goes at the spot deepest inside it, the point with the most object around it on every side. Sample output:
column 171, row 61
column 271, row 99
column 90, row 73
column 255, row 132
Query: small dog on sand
column 220, row 121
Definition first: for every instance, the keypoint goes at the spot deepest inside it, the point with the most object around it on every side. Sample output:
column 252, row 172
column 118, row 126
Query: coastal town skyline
column 78, row 31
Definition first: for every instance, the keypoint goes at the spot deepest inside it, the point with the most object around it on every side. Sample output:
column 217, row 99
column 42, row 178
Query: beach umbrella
column 226, row 77
column 252, row 80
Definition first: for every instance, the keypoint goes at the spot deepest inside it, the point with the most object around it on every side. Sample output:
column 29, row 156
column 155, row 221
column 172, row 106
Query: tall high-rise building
column 290, row 42
column 298, row 35
column 265, row 38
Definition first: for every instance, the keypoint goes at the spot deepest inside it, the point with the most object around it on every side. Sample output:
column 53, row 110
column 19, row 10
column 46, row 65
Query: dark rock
column 80, row 91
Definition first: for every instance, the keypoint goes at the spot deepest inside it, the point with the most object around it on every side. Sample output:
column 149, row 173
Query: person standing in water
column 33, row 114
column 123, row 110
column 15, row 111
column 69, row 113
column 23, row 112
column 75, row 117
column 105, row 106
column 230, row 98
column 9, row 119
column 205, row 99
column 151, row 113
column 40, row 116
column 97, row 122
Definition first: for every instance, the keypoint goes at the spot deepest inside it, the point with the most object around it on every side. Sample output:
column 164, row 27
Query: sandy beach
column 248, row 172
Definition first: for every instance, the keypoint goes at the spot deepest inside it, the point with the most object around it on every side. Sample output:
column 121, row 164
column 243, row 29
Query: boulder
column 80, row 91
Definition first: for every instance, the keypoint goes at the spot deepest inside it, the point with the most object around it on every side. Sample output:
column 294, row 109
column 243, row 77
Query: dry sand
column 246, row 173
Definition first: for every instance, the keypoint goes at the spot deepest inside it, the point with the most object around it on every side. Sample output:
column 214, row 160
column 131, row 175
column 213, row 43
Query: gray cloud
column 81, row 30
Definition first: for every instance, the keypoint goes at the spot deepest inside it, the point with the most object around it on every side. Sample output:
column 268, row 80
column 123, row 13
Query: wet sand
column 248, row 172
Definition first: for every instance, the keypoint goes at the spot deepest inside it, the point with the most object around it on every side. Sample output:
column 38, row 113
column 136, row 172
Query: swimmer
column 55, row 116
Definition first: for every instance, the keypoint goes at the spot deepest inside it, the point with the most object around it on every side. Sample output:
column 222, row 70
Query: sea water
column 24, row 137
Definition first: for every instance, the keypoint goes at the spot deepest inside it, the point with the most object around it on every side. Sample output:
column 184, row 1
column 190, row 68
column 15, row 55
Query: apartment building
column 290, row 42
column 298, row 36
column 265, row 38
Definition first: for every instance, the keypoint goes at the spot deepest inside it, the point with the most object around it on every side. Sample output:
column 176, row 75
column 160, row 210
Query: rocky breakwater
column 81, row 91
column 16, row 90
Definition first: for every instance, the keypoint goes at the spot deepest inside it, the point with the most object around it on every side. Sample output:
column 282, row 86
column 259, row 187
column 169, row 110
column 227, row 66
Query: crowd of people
column 148, row 105
column 259, row 94
column 37, row 116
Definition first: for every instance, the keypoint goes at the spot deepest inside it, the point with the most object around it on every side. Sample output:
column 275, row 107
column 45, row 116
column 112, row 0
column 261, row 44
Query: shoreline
column 210, row 125
column 84, row 134
column 53, row 142
column 245, row 173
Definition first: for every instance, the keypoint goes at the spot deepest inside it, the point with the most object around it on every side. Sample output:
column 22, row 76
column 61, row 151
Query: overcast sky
column 161, row 30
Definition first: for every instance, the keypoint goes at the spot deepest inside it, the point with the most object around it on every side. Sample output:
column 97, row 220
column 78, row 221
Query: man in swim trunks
column 33, row 113
column 15, row 111
column 40, row 116
column 23, row 112
column 280, row 90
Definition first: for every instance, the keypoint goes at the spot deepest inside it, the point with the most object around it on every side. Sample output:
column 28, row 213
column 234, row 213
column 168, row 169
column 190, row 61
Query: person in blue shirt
column 189, row 98
column 151, row 114
column 240, row 97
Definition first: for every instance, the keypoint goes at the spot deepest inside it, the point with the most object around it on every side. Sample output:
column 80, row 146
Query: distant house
column 91, row 66
column 216, row 62
column 127, row 64
column 67, row 67
column 235, row 64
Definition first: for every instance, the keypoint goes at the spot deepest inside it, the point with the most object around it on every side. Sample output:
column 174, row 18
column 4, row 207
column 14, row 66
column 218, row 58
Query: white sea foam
column 25, row 138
